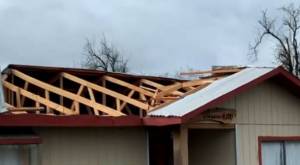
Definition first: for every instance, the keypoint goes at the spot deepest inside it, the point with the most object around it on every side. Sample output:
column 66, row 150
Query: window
column 282, row 152
column 18, row 154
column 19, row 150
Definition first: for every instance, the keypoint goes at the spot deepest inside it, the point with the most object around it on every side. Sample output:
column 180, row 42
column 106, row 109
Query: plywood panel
column 93, row 146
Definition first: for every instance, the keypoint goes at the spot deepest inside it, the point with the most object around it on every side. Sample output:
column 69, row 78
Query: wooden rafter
column 128, row 85
column 106, row 91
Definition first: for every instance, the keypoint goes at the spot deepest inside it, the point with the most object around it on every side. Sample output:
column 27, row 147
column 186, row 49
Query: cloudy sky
column 157, row 36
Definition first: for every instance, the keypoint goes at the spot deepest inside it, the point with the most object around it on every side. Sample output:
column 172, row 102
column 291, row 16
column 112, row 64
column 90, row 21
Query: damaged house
column 68, row 116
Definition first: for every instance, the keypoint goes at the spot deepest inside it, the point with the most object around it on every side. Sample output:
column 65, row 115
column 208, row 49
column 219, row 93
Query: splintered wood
column 70, row 94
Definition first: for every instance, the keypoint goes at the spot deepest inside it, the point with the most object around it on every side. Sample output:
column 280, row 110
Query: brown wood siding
column 266, row 110
column 93, row 146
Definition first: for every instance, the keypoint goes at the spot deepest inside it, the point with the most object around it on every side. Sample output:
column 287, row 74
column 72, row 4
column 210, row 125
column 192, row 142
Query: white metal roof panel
column 211, row 92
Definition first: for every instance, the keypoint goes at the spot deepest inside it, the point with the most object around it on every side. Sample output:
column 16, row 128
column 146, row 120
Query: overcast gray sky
column 157, row 36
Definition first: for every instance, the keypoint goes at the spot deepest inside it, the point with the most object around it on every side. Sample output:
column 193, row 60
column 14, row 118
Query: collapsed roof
column 70, row 91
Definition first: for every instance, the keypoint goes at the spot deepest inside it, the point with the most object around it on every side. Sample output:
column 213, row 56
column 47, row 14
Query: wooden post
column 37, row 105
column 180, row 146
column 12, row 101
column 103, row 94
column 23, row 97
column 47, row 96
column 18, row 99
column 61, row 85
column 118, row 104
column 91, row 93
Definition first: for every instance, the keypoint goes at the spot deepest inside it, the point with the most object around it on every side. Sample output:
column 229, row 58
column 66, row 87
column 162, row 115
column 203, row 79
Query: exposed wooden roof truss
column 105, row 95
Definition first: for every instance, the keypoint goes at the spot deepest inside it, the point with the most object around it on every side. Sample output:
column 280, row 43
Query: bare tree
column 104, row 56
column 285, row 34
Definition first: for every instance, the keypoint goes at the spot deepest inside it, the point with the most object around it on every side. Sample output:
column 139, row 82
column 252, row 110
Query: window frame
column 20, row 140
column 262, row 139
column 24, row 140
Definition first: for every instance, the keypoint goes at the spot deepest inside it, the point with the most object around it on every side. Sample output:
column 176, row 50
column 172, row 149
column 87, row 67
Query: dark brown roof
column 84, row 72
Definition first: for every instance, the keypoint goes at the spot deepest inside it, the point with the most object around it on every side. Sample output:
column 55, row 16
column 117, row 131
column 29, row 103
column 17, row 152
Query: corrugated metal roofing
column 210, row 93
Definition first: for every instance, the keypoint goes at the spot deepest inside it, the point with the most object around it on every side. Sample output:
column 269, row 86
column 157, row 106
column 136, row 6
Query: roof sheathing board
column 210, row 93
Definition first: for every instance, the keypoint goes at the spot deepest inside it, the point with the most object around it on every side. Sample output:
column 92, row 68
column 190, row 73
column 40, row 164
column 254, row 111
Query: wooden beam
column 143, row 98
column 94, row 100
column 130, row 94
column 38, row 98
column 197, row 83
column 168, row 90
column 67, row 94
column 118, row 104
column 188, row 88
column 37, row 105
column 75, row 104
column 18, row 99
column 12, row 99
column 158, row 86
column 28, row 109
column 106, row 91
column 103, row 94
column 128, row 85
column 47, row 96
column 148, row 89
column 25, row 88
column 170, row 98
column 61, row 85
column 4, row 77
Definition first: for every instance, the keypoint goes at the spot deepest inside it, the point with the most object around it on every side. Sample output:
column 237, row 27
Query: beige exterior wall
column 266, row 110
column 93, row 146
column 211, row 147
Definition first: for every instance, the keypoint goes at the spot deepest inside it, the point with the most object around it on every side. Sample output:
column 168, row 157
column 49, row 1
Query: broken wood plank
column 158, row 86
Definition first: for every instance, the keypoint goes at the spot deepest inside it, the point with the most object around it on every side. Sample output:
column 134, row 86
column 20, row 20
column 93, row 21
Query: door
column 160, row 146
